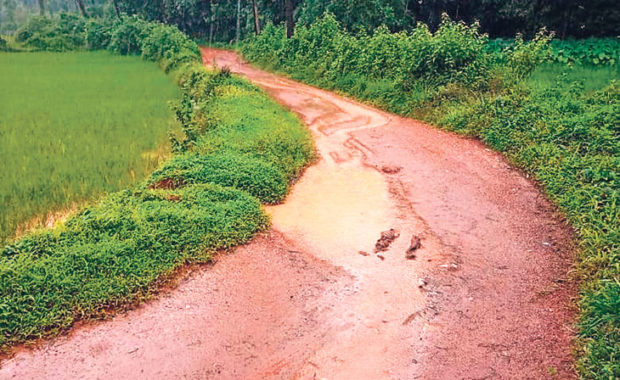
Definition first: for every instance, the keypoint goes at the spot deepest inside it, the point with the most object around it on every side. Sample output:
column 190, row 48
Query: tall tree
column 205, row 16
column 116, row 9
column 290, row 21
column 256, row 20
column 42, row 7
column 82, row 7
column 238, row 34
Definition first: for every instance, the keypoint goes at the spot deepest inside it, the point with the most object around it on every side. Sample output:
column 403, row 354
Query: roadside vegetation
column 234, row 148
column 553, row 108
column 74, row 126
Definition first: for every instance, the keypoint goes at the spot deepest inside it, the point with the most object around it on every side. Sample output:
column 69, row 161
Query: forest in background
column 217, row 21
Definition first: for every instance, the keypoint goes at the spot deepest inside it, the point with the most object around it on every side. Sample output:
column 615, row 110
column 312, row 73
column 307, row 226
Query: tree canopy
column 216, row 20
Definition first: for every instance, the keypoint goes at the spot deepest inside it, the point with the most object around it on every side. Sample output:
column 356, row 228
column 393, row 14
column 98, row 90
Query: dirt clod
column 390, row 169
column 411, row 317
column 416, row 243
column 167, row 183
column 387, row 237
column 173, row 197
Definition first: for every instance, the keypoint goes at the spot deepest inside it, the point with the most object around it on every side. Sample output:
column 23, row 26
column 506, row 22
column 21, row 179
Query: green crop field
column 74, row 126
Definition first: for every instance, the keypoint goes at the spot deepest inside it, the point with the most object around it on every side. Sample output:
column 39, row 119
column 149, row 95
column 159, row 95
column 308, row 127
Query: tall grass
column 74, row 126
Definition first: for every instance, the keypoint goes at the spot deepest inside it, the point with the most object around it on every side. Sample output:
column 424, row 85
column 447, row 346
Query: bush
column 253, row 175
column 126, row 38
column 592, row 51
column 524, row 57
column 325, row 52
column 98, row 34
column 164, row 44
column 168, row 45
column 35, row 25
column 64, row 33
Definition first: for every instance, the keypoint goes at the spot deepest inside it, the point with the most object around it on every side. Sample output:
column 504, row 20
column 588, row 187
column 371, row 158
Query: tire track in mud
column 486, row 296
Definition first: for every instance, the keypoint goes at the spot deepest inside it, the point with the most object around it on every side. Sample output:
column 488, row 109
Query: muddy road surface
column 405, row 252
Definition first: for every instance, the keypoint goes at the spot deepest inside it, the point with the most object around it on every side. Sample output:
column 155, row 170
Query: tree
column 80, row 5
column 116, row 9
column 238, row 34
column 290, row 21
column 256, row 20
column 42, row 7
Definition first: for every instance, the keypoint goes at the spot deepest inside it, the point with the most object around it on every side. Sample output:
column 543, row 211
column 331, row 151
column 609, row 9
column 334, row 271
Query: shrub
column 524, row 57
column 60, row 34
column 168, row 45
column 325, row 52
column 127, row 37
column 592, row 51
column 251, row 174
column 36, row 24
column 98, row 34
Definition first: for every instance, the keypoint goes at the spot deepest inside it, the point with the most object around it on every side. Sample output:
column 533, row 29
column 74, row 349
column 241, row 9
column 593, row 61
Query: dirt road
column 483, row 293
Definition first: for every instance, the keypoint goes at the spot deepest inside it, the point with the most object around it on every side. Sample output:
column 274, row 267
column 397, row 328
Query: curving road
column 486, row 297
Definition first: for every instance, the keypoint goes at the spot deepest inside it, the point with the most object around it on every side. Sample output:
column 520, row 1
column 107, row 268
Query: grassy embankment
column 558, row 122
column 75, row 126
column 235, row 149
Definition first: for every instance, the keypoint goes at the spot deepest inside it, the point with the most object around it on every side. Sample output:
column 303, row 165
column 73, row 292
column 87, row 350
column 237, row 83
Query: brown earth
column 487, row 295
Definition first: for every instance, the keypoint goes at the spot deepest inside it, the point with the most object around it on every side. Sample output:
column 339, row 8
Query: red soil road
column 487, row 296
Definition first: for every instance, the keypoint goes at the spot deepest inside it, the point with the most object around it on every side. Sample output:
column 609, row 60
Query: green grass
column 549, row 75
column 74, row 126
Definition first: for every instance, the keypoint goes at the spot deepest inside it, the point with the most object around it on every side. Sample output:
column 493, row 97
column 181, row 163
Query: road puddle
column 337, row 210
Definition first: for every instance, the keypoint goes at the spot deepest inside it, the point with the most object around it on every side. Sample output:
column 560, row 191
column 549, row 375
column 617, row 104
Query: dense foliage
column 576, row 18
column 206, row 198
column 216, row 20
column 402, row 69
column 126, row 35
column 561, row 125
